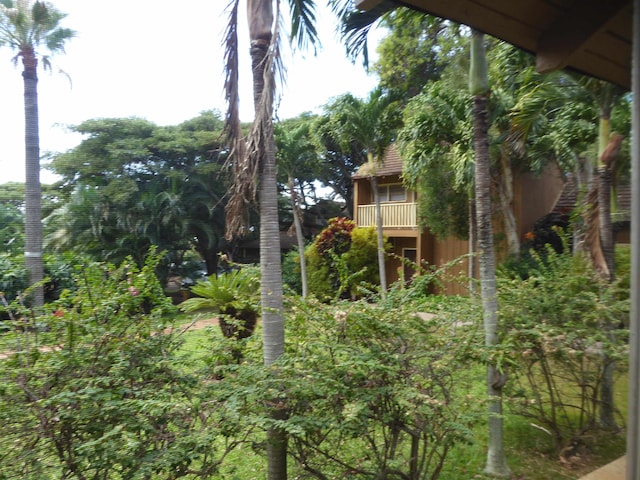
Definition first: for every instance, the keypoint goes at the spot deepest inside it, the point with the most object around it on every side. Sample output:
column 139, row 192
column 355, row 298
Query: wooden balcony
column 394, row 215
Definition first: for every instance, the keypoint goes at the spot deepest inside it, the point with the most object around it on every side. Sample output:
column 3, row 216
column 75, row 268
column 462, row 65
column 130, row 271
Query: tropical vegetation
column 33, row 32
column 110, row 380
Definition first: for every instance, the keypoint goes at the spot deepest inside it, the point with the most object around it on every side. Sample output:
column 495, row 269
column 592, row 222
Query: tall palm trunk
column 297, row 224
column 479, row 86
column 605, row 180
column 473, row 235
column 380, row 237
column 505, row 193
column 260, row 15
column 33, row 220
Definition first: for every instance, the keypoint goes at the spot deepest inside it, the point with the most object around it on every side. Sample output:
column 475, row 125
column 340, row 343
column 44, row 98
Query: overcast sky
column 157, row 60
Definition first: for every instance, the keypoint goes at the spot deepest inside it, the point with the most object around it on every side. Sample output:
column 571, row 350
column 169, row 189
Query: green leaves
column 362, row 383
column 131, row 184
column 557, row 336
column 111, row 396
column 238, row 289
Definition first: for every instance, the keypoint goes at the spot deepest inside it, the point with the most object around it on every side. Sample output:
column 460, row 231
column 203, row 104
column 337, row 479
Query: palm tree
column 479, row 87
column 369, row 126
column 26, row 27
column 558, row 97
column 253, row 158
column 298, row 159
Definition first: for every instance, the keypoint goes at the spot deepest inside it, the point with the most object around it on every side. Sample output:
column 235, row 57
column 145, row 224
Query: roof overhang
column 589, row 36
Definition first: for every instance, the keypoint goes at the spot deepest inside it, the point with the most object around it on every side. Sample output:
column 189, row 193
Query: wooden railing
column 399, row 215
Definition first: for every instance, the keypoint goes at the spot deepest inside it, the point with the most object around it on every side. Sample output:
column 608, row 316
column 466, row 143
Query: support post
column 633, row 429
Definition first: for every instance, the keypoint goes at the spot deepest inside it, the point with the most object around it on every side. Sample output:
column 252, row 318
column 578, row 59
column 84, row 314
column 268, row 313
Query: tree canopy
column 131, row 184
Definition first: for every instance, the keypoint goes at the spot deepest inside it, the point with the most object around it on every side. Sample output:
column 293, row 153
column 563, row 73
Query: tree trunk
column 506, row 206
column 496, row 460
column 33, row 215
column 604, row 214
column 473, row 227
column 607, row 243
column 381, row 266
column 272, row 301
column 297, row 224
column 583, row 179
column 260, row 14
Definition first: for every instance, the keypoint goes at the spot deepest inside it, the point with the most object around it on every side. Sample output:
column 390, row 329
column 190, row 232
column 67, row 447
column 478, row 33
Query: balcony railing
column 396, row 215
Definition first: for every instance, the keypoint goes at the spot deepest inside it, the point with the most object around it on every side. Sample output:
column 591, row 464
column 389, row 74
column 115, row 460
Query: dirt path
column 196, row 325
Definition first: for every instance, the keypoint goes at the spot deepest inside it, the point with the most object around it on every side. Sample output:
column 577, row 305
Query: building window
column 392, row 193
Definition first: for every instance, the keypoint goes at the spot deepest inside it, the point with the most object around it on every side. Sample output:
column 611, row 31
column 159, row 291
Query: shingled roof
column 391, row 165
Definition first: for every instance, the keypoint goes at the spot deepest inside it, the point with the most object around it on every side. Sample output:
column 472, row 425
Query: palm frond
column 355, row 26
column 303, row 24
column 260, row 138
column 237, row 206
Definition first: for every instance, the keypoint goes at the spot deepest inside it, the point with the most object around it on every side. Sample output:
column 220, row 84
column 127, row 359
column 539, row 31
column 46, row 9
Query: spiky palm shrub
column 233, row 295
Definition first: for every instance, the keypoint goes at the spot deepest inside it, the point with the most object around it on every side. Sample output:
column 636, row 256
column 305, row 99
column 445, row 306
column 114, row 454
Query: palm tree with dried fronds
column 254, row 165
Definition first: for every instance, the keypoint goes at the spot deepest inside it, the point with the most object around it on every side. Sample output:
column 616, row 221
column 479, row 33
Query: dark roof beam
column 569, row 32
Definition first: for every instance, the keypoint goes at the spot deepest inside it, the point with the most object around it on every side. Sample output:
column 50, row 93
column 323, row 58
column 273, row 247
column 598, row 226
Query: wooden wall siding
column 393, row 263
column 394, row 215
column 446, row 251
column 535, row 196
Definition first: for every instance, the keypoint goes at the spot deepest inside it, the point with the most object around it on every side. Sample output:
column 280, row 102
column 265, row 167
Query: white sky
column 157, row 60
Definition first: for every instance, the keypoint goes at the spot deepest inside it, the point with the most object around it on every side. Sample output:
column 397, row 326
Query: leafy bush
column 111, row 399
column 14, row 277
column 291, row 271
column 58, row 269
column 365, row 391
column 342, row 259
column 321, row 280
column 558, row 342
column 335, row 237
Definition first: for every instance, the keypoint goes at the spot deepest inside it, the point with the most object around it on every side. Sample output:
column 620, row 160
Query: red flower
column 133, row 291
column 59, row 313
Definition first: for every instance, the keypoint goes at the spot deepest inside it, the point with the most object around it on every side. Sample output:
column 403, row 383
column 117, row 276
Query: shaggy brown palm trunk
column 607, row 243
column 33, row 220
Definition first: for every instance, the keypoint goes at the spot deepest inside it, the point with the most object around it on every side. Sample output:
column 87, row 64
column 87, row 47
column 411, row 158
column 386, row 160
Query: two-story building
column 534, row 197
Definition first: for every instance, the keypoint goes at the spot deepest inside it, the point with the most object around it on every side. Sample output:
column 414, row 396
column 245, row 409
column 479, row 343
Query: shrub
column 321, row 280
column 335, row 237
column 58, row 269
column 233, row 295
column 364, row 391
column 291, row 271
column 556, row 338
column 343, row 259
column 112, row 399
column 14, row 277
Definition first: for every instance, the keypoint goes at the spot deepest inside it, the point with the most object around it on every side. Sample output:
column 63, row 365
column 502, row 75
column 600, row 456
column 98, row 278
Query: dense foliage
column 342, row 260
column 557, row 341
column 363, row 388
column 371, row 390
column 107, row 396
column 233, row 296
column 131, row 184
